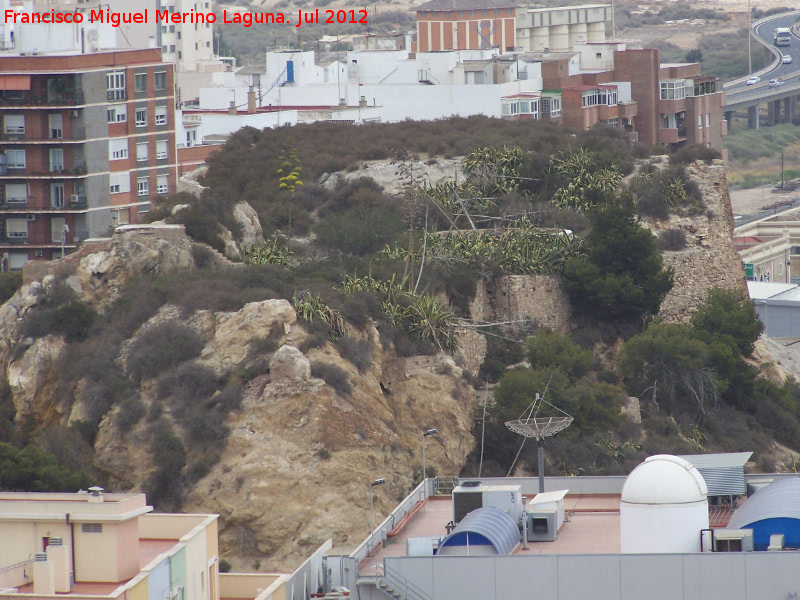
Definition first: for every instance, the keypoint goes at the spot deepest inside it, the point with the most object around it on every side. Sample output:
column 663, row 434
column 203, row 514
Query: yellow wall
column 196, row 567
column 96, row 554
column 245, row 585
column 167, row 526
column 138, row 591
column 20, row 540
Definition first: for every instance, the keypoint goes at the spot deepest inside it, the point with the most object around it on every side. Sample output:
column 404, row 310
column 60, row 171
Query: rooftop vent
column 56, row 541
column 40, row 557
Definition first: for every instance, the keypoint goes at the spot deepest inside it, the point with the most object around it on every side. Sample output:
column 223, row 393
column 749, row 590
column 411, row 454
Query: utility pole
column 749, row 38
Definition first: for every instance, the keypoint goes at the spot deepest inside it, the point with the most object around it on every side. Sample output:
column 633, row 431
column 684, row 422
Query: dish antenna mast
column 531, row 425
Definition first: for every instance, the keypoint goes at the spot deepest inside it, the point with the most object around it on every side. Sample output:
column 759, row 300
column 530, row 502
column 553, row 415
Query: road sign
column 749, row 271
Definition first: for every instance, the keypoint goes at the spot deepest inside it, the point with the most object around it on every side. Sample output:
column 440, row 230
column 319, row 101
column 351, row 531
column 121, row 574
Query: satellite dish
column 531, row 424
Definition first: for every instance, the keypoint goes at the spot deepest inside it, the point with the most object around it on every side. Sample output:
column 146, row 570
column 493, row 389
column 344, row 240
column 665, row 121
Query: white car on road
column 753, row 80
column 786, row 59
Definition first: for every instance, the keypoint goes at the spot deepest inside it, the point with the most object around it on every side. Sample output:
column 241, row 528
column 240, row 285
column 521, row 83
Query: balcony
column 52, row 172
column 45, row 206
column 627, row 109
column 26, row 99
column 671, row 136
column 24, row 239
column 76, row 134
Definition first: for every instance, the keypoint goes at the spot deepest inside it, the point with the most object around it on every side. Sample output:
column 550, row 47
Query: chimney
column 43, row 576
column 251, row 100
column 97, row 494
column 342, row 103
column 232, row 108
column 57, row 555
column 362, row 103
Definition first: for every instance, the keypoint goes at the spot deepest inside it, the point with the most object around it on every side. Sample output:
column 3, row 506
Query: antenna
column 531, row 425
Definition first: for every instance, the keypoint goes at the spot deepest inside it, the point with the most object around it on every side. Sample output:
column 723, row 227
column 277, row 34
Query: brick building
column 85, row 141
column 668, row 104
column 466, row 25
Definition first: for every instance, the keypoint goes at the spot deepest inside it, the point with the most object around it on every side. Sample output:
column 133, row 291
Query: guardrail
column 401, row 584
column 767, row 44
column 757, row 94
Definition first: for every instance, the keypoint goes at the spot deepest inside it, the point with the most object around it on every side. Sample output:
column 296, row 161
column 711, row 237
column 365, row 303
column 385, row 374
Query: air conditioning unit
column 733, row 540
column 471, row 495
column 31, row 217
column 74, row 198
column 39, row 254
column 73, row 113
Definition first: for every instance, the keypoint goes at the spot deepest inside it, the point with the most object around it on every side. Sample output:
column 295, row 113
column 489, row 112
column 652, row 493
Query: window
column 92, row 528
column 179, row 35
column 14, row 123
column 117, row 148
column 180, row 54
column 119, row 183
column 708, row 119
column 117, row 114
column 172, row 28
column 161, row 115
column 598, row 55
column 56, row 160
column 161, row 149
column 16, row 159
column 160, row 80
column 57, row 195
column 191, row 138
column 142, row 186
column 208, row 44
column 555, row 107
column 673, row 90
column 17, row 228
column 58, row 230
column 699, row 121
column 56, row 122
column 141, row 152
column 140, row 82
column 164, row 49
column 16, row 193
column 162, row 184
column 141, row 117
column 163, row 29
column 115, row 85
column 172, row 48
column 121, row 216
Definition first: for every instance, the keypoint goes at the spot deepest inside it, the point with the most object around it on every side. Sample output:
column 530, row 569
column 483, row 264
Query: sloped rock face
column 32, row 378
column 710, row 259
column 246, row 216
column 289, row 364
column 300, row 456
column 237, row 332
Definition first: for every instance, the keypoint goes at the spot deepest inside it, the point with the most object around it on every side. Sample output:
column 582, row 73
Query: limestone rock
column 32, row 379
column 289, row 364
column 246, row 216
column 231, row 247
column 237, row 332
column 188, row 181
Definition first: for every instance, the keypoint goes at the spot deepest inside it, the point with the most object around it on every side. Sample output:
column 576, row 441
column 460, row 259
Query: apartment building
column 466, row 25
column 104, row 546
column 86, row 140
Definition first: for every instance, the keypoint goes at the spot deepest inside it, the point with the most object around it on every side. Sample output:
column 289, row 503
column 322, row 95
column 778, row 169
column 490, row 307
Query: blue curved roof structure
column 483, row 527
column 773, row 509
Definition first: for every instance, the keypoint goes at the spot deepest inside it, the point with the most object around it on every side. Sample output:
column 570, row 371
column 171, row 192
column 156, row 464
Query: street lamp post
column 372, row 485
column 424, row 435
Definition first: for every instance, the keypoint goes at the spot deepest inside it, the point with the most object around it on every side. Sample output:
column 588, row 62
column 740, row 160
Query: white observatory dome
column 664, row 479
column 664, row 506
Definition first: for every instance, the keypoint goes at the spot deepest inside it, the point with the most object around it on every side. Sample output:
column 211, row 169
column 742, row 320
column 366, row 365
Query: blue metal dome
column 483, row 527
column 773, row 509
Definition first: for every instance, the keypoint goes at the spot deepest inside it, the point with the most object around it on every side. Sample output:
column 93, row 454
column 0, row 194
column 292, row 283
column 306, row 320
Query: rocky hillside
column 299, row 454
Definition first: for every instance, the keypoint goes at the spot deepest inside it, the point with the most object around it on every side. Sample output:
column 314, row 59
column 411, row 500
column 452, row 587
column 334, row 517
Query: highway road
column 790, row 73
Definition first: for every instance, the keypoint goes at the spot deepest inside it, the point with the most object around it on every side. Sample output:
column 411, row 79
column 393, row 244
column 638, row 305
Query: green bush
column 165, row 485
column 162, row 347
column 10, row 282
column 72, row 320
column 32, row 469
column 728, row 316
column 359, row 352
column 672, row 240
column 333, row 376
column 688, row 154
column 551, row 350
column 623, row 278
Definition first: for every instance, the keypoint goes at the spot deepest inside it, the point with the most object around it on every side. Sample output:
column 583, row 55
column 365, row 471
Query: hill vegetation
column 533, row 199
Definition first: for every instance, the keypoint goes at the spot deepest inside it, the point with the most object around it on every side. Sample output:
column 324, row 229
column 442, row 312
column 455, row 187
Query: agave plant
column 429, row 319
column 309, row 307
column 579, row 172
column 268, row 253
